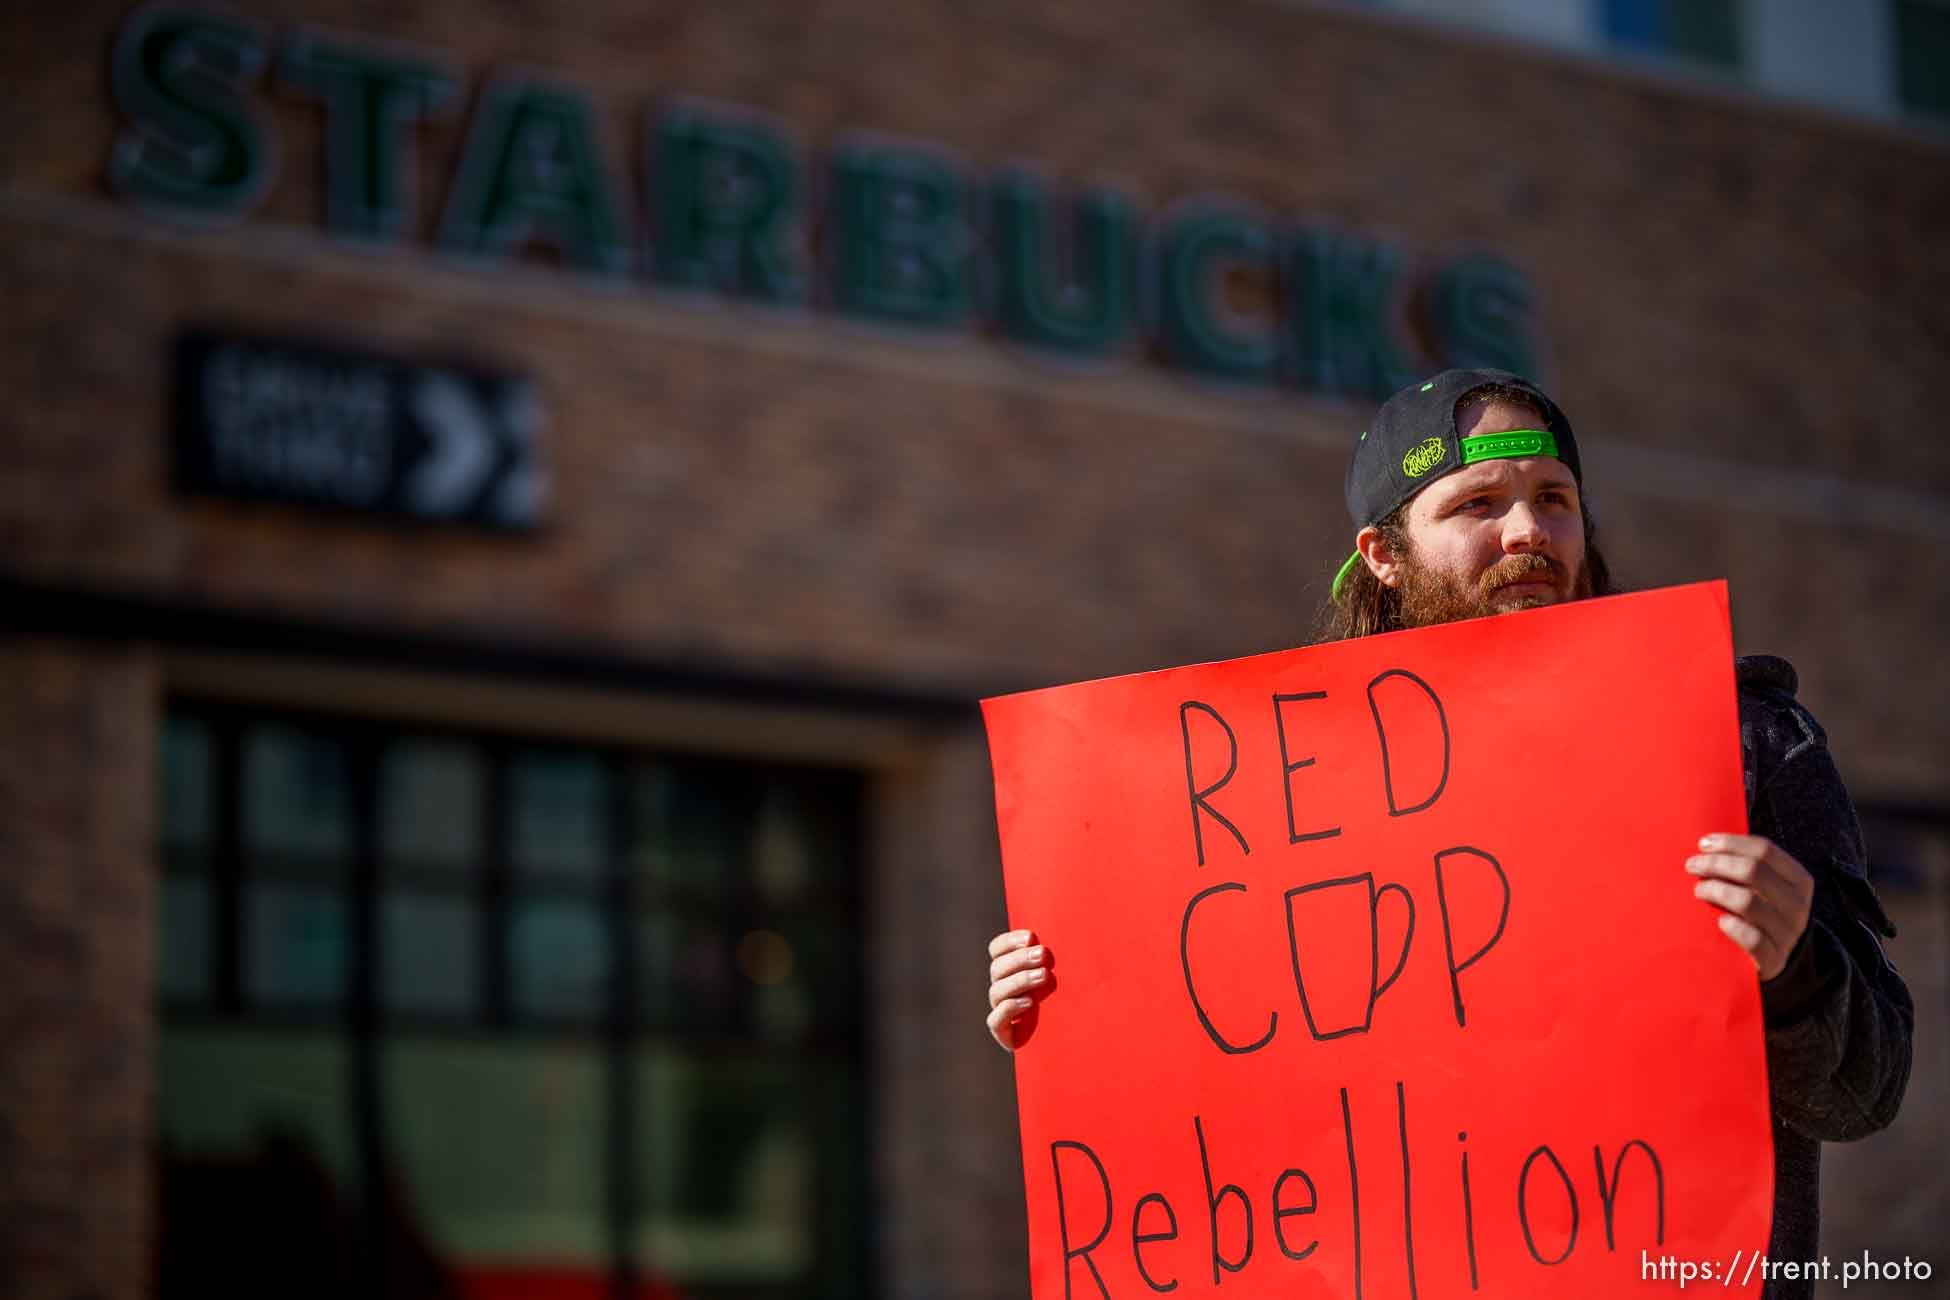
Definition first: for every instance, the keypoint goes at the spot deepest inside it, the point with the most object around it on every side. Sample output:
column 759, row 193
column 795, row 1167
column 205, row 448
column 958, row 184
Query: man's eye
column 1555, row 498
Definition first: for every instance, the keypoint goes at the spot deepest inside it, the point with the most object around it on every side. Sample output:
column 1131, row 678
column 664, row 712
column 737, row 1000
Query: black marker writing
column 1282, row 1212
column 1523, row 1205
column 1319, row 1023
column 1139, row 1237
column 1353, row 1188
column 1469, row 1213
column 1456, row 968
column 1288, row 766
column 1395, row 808
column 1063, row 1219
column 1609, row 1193
column 1212, row 1202
column 1408, row 1213
column 1200, row 796
column 1185, row 962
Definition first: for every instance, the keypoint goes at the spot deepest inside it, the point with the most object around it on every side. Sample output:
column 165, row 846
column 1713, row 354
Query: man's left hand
column 1763, row 894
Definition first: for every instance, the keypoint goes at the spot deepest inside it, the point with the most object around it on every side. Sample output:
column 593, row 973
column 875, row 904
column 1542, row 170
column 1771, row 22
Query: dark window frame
column 622, row 899
column 1921, row 83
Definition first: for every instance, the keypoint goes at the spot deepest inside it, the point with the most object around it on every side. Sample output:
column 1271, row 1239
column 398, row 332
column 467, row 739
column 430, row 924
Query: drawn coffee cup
column 1338, row 997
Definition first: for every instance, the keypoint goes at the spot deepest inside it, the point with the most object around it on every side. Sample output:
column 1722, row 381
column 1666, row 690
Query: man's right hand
column 1019, row 973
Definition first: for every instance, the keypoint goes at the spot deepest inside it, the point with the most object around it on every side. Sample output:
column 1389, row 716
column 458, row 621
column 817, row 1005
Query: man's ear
column 1381, row 558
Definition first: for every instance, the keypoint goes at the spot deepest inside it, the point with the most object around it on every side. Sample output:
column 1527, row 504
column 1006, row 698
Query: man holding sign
column 1467, row 496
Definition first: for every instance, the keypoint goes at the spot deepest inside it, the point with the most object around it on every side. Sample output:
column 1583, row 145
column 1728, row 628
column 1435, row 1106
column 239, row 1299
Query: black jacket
column 1838, row 1016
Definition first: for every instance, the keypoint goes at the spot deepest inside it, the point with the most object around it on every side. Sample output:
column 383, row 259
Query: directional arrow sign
column 308, row 424
column 465, row 448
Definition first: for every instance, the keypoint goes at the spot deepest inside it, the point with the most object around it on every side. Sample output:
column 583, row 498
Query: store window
column 1698, row 31
column 454, row 1014
column 1923, row 56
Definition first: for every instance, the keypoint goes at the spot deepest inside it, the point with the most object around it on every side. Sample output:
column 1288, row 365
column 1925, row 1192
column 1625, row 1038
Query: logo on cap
column 1423, row 457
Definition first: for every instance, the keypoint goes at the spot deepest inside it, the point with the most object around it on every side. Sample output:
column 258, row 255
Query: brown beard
column 1428, row 597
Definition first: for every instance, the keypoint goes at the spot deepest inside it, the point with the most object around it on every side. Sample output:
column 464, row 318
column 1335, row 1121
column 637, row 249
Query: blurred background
column 506, row 510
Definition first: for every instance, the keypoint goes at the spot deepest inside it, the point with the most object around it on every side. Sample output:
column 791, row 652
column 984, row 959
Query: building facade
column 509, row 511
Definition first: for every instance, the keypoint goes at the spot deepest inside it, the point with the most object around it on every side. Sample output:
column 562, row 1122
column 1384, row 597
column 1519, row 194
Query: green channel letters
column 372, row 100
column 901, row 244
column 1483, row 310
column 1342, row 315
column 532, row 168
column 1194, row 249
column 192, row 145
column 725, row 213
column 1071, row 295
column 723, row 203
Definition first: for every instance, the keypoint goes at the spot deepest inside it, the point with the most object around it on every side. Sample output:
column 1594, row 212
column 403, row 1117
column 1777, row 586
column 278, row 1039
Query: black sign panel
column 275, row 420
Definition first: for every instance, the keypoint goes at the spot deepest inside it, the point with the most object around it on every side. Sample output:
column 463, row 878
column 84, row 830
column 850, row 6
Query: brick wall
column 77, row 923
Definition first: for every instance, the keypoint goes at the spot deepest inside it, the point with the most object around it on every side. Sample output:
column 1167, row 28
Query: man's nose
column 1523, row 531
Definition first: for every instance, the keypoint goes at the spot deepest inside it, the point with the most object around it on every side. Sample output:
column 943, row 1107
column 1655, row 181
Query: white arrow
column 464, row 447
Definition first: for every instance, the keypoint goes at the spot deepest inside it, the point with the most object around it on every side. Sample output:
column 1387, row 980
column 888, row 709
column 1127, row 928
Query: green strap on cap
column 1506, row 446
column 1340, row 579
column 1481, row 446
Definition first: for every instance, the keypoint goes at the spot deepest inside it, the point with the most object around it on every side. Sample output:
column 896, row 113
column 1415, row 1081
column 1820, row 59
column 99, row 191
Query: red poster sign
column 1378, row 972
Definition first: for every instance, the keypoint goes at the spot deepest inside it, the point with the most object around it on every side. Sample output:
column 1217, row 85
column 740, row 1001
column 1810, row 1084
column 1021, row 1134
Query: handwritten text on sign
column 1377, row 969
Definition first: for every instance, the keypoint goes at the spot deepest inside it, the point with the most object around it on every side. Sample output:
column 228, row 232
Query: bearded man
column 1467, row 497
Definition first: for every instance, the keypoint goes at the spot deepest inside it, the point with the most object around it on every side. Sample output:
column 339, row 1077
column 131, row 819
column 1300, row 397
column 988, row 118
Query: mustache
column 1522, row 568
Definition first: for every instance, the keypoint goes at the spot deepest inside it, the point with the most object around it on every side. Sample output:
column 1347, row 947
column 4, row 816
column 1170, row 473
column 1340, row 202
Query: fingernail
column 1709, row 842
column 1695, row 865
column 1036, row 953
column 1038, row 976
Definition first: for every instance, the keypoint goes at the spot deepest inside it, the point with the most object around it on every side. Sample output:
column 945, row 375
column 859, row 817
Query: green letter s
column 192, row 145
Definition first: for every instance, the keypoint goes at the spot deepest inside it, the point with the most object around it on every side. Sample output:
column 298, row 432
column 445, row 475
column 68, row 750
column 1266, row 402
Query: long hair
column 1367, row 607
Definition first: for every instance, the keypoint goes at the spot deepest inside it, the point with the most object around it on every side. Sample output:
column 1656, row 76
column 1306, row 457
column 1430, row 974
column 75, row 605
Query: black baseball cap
column 1413, row 441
